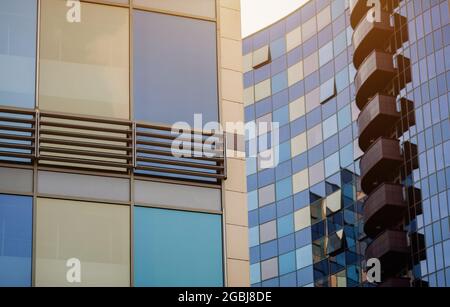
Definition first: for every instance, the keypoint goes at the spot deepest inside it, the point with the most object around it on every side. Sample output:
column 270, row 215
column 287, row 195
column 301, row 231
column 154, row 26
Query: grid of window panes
column 84, row 68
column 304, row 214
column 428, row 47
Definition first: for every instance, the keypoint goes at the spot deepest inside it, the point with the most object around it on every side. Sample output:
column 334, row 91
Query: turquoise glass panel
column 177, row 248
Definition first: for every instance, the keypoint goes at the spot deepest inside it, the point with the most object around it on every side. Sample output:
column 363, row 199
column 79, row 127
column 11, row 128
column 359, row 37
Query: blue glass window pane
column 253, row 234
column 331, row 164
column 269, row 250
column 279, row 82
column 289, row 280
column 278, row 48
column 305, row 276
column 346, row 155
column 15, row 240
column 327, row 90
column 18, row 20
column 286, row 244
column 255, row 273
column 344, row 117
column 284, row 188
column 281, row 116
column 329, row 127
column 287, row 263
column 175, row 68
column 175, row 248
column 285, row 225
column 326, row 54
column 304, row 256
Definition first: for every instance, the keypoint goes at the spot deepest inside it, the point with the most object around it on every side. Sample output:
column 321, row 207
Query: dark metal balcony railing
column 376, row 120
column 375, row 73
column 384, row 208
column 379, row 163
column 359, row 9
column 391, row 248
column 110, row 145
column 369, row 36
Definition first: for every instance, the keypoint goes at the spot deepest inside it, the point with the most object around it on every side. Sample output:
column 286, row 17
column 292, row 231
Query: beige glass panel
column 312, row 99
column 300, row 181
column 84, row 66
column 186, row 197
column 262, row 90
column 298, row 145
column 309, row 29
column 266, row 195
column 295, row 73
column 316, row 173
column 323, row 18
column 268, row 231
column 88, row 187
column 261, row 56
column 247, row 62
column 264, row 124
column 201, row 8
column 315, row 136
column 302, row 218
column 293, row 39
column 249, row 96
column 98, row 235
column 334, row 203
column 311, row 64
column 297, row 108
column 16, row 180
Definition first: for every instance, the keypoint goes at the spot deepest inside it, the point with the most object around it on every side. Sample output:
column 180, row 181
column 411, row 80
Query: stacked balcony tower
column 381, row 75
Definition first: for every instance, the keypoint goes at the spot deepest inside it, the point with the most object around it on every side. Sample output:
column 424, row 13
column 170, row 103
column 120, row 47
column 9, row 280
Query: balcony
column 376, row 120
column 391, row 248
column 384, row 208
column 369, row 36
column 374, row 75
column 380, row 163
column 359, row 9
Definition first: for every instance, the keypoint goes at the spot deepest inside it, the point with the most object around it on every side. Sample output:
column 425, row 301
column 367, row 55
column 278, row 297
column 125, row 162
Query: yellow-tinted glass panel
column 98, row 235
column 298, row 145
column 302, row 218
column 262, row 90
column 297, row 108
column 84, row 66
column 300, row 181
column 295, row 73
column 293, row 39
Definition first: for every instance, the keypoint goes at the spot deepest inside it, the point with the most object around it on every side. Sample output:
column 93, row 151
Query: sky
column 257, row 14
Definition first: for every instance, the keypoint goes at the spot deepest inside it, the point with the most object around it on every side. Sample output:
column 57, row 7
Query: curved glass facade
column 303, row 214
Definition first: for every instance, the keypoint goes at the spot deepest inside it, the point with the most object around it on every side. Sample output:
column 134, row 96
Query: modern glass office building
column 362, row 101
column 91, row 193
column 304, row 214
